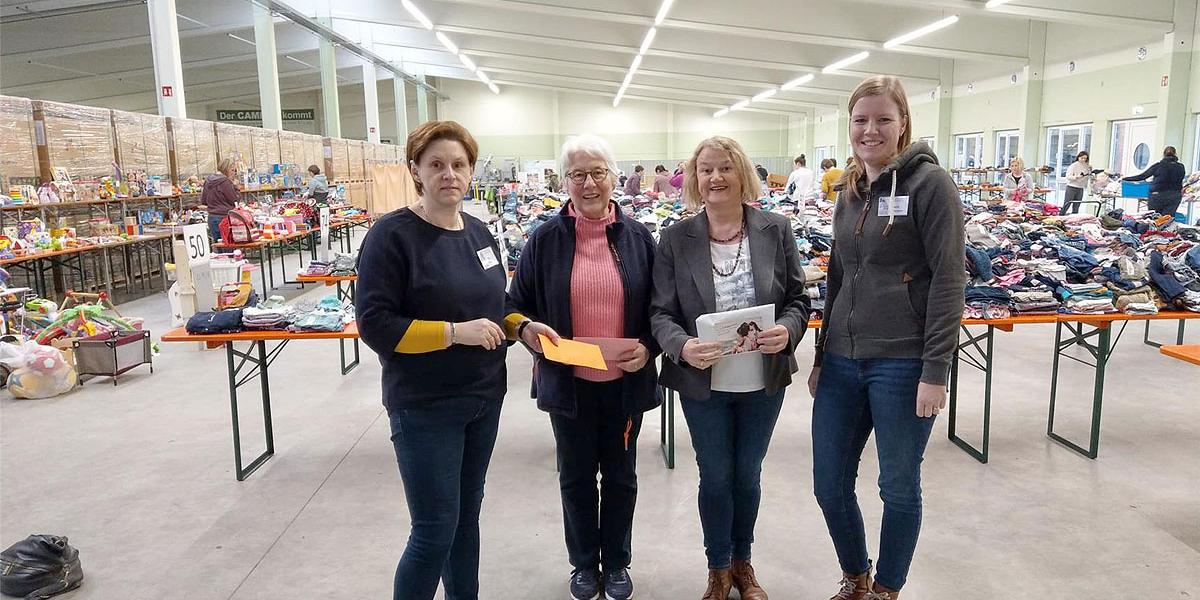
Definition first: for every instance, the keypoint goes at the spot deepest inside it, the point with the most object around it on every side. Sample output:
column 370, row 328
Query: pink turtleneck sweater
column 597, row 293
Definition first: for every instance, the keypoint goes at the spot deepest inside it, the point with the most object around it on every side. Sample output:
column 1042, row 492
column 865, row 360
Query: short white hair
column 590, row 145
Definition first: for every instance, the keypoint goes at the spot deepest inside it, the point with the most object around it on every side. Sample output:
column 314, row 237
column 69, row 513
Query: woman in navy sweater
column 431, row 304
column 1166, row 187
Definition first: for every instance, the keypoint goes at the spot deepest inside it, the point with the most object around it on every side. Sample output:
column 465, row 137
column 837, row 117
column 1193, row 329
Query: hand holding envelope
column 626, row 354
column 573, row 352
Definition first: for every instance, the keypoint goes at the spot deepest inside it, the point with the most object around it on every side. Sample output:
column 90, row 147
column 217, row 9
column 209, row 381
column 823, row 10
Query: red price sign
column 167, row 91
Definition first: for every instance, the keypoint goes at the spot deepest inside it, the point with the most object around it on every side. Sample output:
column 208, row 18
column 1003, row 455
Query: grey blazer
column 684, row 290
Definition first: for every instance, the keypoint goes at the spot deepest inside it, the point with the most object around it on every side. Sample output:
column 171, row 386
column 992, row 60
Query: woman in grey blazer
column 730, row 256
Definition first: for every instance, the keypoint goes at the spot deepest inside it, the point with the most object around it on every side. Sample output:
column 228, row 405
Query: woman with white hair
column 587, row 273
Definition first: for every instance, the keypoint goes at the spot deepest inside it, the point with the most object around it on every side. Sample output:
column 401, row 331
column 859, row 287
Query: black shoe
column 618, row 585
column 585, row 584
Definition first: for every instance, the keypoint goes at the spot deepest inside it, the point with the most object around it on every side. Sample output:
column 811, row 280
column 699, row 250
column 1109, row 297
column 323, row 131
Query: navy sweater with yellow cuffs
column 415, row 278
column 896, row 276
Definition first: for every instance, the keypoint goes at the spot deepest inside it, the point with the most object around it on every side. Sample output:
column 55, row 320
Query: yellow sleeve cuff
column 511, row 323
column 422, row 337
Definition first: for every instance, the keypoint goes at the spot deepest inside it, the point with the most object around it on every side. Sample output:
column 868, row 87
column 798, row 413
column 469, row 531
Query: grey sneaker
column 618, row 585
column 585, row 584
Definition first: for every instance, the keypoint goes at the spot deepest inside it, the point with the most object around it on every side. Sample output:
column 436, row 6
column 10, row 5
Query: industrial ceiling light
column 483, row 77
column 446, row 42
column 662, row 11
column 995, row 3
column 467, row 62
column 417, row 14
column 720, row 113
column 647, row 40
column 764, row 95
column 926, row 30
column 296, row 60
column 637, row 62
column 845, row 62
column 740, row 105
column 240, row 39
column 495, row 90
column 797, row 82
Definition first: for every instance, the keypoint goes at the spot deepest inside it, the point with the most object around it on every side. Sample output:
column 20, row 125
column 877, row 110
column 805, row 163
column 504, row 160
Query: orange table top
column 180, row 334
column 1007, row 324
column 1189, row 352
column 327, row 280
column 262, row 242
column 82, row 249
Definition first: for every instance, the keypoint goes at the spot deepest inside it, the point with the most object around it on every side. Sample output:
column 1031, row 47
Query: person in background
column 1077, row 179
column 1015, row 178
column 317, row 187
column 729, row 256
column 633, row 186
column 1166, row 187
column 431, row 303
column 895, row 300
column 553, row 183
column 220, row 195
column 596, row 415
column 662, row 182
column 830, row 176
column 677, row 178
column 800, row 182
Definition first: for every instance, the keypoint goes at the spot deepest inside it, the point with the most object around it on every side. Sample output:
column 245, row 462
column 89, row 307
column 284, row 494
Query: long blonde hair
column 747, row 178
column 877, row 85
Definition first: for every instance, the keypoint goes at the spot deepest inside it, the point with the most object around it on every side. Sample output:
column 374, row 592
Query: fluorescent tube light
column 417, row 14
column 483, row 77
column 720, row 113
column 845, row 62
column 995, row 3
column 740, row 105
column 799, row 81
column 662, row 11
column 296, row 60
column 764, row 95
column 926, row 30
column 467, row 62
column 648, row 40
column 240, row 39
column 495, row 90
column 446, row 42
column 637, row 62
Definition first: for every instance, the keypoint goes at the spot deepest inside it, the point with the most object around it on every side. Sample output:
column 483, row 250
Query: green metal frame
column 667, row 423
column 980, row 357
column 347, row 293
column 259, row 360
column 1178, row 338
column 1100, row 351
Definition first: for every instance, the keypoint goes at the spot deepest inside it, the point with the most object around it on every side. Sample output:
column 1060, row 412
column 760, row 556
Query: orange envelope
column 612, row 348
column 571, row 352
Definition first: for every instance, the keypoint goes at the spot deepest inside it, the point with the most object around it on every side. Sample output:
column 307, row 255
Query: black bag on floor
column 39, row 566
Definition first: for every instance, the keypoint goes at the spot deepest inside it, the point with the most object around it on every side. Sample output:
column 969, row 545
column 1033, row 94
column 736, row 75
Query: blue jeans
column 854, row 397
column 730, row 433
column 443, row 451
column 214, row 227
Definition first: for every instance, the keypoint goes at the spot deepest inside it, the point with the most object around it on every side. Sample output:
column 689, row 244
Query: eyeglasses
column 580, row 177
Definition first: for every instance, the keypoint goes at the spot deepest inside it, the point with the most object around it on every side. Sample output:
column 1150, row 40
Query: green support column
column 1029, row 146
column 329, row 85
column 945, row 139
column 843, row 135
column 810, row 137
column 400, row 93
column 422, row 101
column 1177, row 68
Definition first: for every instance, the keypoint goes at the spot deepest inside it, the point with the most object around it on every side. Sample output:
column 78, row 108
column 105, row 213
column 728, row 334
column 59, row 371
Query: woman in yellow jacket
column 830, row 174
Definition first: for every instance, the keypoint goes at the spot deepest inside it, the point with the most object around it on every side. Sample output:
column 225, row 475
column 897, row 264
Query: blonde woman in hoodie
column 890, row 330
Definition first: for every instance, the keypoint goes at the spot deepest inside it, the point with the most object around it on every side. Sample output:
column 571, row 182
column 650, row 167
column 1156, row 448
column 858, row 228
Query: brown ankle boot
column 878, row 592
column 719, row 583
column 854, row 587
column 745, row 582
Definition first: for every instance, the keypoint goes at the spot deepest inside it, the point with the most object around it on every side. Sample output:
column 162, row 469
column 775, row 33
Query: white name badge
column 899, row 206
column 487, row 258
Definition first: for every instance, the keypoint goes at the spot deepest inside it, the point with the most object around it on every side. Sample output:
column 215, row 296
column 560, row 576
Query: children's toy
column 38, row 371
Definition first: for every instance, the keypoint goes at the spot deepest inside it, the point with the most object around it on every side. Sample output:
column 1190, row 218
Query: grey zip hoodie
column 896, row 275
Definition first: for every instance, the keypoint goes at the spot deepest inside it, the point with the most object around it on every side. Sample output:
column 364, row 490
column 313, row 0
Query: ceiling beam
column 821, row 39
column 118, row 43
column 586, row 92
column 977, row 8
column 708, row 59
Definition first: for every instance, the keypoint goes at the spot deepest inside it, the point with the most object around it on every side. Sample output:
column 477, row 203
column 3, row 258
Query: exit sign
column 1165, row 79
column 167, row 91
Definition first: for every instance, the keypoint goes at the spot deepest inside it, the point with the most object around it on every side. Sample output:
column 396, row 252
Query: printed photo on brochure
column 738, row 331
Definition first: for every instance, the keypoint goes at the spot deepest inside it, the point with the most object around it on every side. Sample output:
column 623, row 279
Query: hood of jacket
column 214, row 178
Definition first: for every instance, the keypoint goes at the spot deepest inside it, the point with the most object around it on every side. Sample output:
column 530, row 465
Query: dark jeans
column 443, row 451
column 854, row 397
column 1072, row 200
column 730, row 433
column 601, row 438
column 214, row 227
column 1165, row 203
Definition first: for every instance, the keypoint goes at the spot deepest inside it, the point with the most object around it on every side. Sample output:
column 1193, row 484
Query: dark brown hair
column 800, row 160
column 877, row 85
column 427, row 133
column 314, row 169
column 1169, row 151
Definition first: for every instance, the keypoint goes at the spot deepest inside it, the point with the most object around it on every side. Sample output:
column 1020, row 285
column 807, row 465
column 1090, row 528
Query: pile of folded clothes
column 329, row 314
column 272, row 314
column 341, row 265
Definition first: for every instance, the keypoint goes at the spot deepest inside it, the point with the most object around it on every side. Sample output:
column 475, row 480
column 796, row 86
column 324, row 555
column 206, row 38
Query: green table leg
column 979, row 357
column 667, row 423
column 1100, row 351
column 258, row 360
column 1178, row 337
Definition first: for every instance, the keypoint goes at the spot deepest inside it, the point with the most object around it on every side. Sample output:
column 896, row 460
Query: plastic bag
column 43, row 372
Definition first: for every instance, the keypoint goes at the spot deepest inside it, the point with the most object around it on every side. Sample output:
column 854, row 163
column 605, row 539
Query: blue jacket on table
column 541, row 290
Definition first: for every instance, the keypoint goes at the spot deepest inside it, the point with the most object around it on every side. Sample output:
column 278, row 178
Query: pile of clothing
column 342, row 265
column 272, row 314
column 328, row 314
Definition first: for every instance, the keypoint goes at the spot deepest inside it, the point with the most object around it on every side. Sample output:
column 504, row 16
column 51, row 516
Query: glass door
column 1131, row 146
column 1062, row 145
column 968, row 151
column 1006, row 147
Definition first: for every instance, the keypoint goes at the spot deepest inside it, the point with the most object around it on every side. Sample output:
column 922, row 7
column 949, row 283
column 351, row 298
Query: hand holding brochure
column 741, row 366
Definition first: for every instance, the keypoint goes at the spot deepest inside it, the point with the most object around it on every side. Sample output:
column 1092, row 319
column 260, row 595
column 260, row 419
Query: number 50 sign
column 195, row 239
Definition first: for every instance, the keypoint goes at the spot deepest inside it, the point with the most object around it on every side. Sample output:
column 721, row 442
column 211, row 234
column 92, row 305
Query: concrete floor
column 140, row 477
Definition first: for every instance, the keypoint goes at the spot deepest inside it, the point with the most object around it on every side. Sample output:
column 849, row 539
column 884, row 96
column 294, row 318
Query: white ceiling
column 712, row 52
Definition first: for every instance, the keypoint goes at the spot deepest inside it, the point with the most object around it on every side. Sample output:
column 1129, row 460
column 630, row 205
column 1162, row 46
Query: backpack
column 39, row 566
column 238, row 228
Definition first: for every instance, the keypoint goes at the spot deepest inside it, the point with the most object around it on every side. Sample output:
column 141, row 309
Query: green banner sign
column 289, row 114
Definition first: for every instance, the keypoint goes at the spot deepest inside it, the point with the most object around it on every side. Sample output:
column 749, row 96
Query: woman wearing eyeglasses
column 587, row 273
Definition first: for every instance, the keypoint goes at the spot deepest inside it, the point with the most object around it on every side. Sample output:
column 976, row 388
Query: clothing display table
column 261, row 252
column 1189, row 353
column 255, row 362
